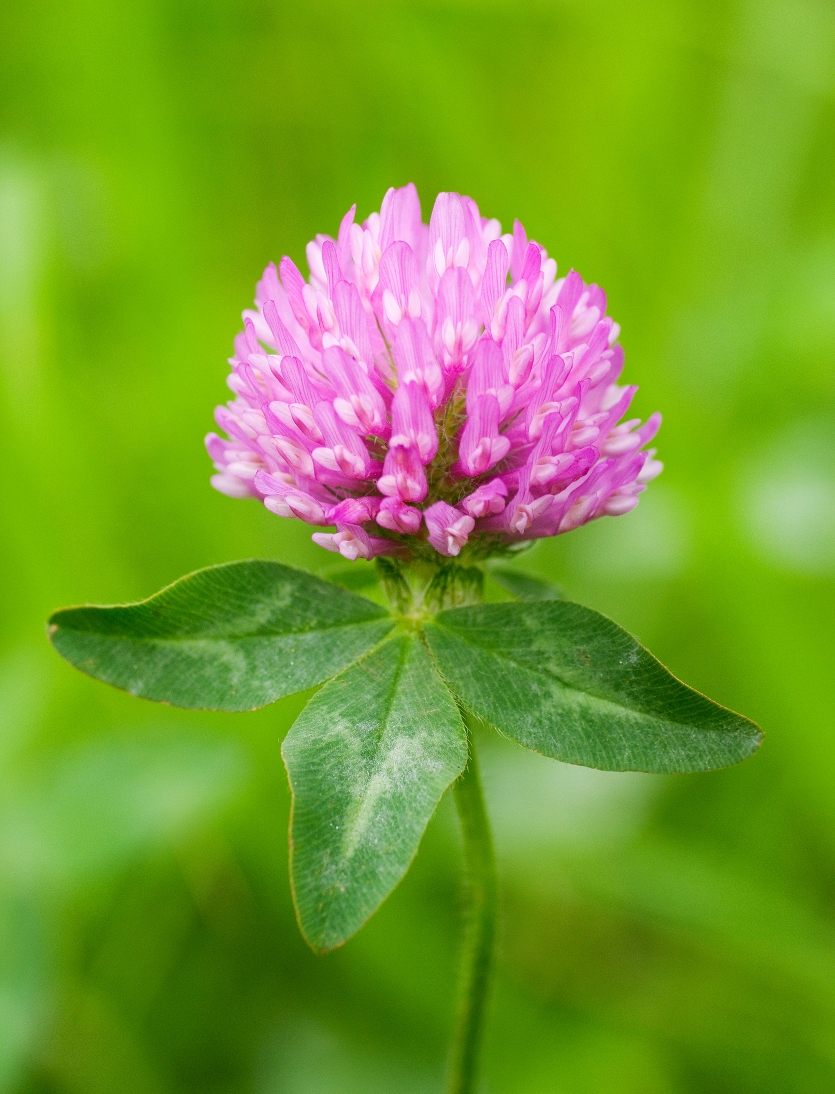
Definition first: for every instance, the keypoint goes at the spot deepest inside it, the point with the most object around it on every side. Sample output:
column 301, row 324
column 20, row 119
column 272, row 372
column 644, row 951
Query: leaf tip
column 757, row 738
column 322, row 948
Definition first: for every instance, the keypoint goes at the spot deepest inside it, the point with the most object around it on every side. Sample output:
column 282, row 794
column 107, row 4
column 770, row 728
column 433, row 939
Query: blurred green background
column 659, row 935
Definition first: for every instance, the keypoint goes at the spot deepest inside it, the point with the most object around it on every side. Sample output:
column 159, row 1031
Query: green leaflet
column 231, row 637
column 368, row 760
column 568, row 682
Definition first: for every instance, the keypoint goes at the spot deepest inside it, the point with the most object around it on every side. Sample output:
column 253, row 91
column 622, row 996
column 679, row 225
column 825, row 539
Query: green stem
column 477, row 957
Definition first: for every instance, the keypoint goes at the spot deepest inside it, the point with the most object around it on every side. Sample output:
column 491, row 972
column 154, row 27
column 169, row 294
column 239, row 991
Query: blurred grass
column 667, row 936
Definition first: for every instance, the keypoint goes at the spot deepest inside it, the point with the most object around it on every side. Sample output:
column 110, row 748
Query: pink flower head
column 430, row 389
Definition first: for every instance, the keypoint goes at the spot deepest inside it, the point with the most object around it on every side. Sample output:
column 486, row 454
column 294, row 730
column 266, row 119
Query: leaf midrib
column 327, row 918
column 174, row 640
column 548, row 674
column 389, row 699
column 411, row 638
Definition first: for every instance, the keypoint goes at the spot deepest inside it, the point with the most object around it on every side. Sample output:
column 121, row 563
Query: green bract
column 374, row 750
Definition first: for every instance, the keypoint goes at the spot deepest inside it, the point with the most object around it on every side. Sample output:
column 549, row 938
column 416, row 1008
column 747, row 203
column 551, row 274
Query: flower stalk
column 417, row 591
column 477, row 958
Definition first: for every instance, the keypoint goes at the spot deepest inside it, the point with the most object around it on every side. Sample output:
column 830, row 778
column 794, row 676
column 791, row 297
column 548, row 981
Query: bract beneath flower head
column 430, row 390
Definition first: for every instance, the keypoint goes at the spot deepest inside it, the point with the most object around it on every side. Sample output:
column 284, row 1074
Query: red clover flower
column 430, row 388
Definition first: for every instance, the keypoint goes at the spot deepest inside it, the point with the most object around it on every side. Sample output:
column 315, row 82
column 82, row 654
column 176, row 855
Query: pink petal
column 398, row 290
column 448, row 527
column 456, row 326
column 283, row 339
column 481, row 445
column 487, row 376
column 343, row 451
column 494, row 282
column 517, row 255
column 358, row 402
column 400, row 217
column 288, row 500
column 486, row 500
column 294, row 284
column 354, row 511
column 415, row 360
column 353, row 321
column 232, row 486
column 343, row 239
column 412, row 424
column 403, row 475
column 295, row 377
column 448, row 243
column 330, row 261
column 353, row 542
column 398, row 517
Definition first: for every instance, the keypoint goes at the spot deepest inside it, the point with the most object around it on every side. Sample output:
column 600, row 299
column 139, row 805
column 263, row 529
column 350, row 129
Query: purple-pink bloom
column 430, row 389
column 449, row 528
